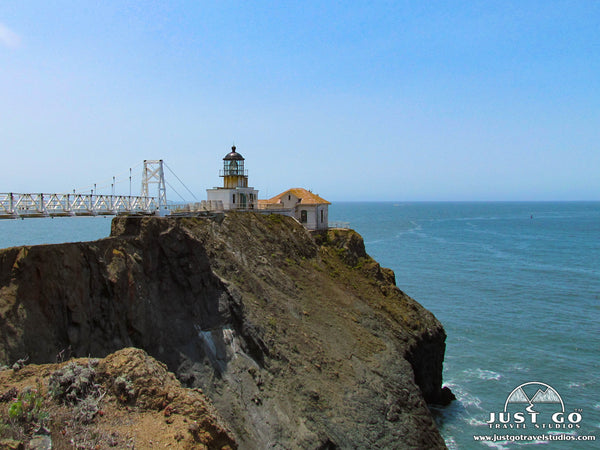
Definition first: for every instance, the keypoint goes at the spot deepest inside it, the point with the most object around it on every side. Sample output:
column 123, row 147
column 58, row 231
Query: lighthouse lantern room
column 233, row 172
column 235, row 193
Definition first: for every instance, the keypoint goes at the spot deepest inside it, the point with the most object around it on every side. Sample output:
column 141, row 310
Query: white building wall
column 313, row 216
column 322, row 217
column 227, row 197
column 289, row 201
column 223, row 195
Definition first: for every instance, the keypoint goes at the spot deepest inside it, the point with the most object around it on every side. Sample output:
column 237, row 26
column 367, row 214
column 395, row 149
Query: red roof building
column 308, row 208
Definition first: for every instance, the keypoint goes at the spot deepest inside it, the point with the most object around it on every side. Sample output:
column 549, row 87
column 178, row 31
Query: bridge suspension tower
column 153, row 173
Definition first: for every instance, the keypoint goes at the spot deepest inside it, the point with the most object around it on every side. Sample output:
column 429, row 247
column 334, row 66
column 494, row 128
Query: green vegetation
column 30, row 410
column 27, row 407
column 275, row 218
column 272, row 322
column 27, row 411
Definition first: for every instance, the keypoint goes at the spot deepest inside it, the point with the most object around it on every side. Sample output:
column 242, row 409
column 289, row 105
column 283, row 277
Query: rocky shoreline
column 298, row 339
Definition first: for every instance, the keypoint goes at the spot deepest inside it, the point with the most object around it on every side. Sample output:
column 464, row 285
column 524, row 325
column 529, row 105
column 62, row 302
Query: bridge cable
column 168, row 184
column 180, row 182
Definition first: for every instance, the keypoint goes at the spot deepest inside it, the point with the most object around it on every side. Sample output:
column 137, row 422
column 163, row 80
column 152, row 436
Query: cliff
column 300, row 340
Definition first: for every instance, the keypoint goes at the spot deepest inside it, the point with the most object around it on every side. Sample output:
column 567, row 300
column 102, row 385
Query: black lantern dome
column 233, row 155
column 233, row 170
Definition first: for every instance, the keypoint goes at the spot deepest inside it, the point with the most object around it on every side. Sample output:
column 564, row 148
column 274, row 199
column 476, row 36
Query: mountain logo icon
column 535, row 405
column 544, row 394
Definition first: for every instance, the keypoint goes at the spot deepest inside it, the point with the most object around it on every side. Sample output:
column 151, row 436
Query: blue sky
column 399, row 100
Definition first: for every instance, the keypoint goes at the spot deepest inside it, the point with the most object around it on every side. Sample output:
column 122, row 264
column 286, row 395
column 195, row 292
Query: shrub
column 75, row 384
column 87, row 409
column 20, row 364
column 123, row 388
column 72, row 383
column 27, row 407
column 9, row 395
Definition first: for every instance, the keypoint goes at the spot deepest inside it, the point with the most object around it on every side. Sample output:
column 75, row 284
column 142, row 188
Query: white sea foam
column 524, row 443
column 466, row 399
column 570, row 433
column 464, row 339
column 483, row 374
column 518, row 368
column 475, row 422
column 451, row 443
column 501, row 445
column 415, row 228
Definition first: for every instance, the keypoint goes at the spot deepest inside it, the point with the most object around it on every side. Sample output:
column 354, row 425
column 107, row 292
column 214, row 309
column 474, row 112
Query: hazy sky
column 398, row 100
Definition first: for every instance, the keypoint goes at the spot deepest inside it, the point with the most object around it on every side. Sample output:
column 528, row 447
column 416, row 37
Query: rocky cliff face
column 299, row 340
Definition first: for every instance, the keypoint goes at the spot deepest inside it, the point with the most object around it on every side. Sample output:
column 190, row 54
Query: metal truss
column 153, row 174
column 14, row 206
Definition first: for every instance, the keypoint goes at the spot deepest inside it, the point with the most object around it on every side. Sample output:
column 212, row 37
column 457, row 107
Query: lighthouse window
column 321, row 216
column 303, row 216
column 233, row 198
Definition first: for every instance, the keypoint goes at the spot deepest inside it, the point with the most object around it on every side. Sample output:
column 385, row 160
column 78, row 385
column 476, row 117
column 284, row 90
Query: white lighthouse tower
column 235, row 193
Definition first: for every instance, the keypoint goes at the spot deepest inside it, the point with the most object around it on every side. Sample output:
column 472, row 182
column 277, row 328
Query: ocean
column 516, row 286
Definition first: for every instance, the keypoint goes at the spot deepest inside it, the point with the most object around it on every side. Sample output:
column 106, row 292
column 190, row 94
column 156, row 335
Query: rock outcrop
column 300, row 340
column 136, row 403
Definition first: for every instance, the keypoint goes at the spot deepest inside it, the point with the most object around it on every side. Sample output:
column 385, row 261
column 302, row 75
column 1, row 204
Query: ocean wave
column 518, row 368
column 464, row 339
column 501, row 445
column 512, row 444
column 464, row 399
column 557, row 433
column 415, row 228
column 524, row 443
column 475, row 422
column 483, row 374
column 451, row 443
column 557, row 269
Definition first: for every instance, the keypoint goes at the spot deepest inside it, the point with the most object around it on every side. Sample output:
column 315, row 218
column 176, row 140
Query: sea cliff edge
column 299, row 339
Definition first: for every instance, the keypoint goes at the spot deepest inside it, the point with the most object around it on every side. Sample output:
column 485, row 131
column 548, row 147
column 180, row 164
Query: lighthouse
column 235, row 193
column 233, row 173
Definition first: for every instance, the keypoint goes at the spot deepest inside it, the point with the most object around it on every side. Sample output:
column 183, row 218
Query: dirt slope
column 130, row 401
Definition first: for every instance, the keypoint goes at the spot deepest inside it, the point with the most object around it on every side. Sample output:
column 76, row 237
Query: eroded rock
column 300, row 340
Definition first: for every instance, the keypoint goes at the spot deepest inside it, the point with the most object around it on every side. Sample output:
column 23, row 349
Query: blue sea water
column 516, row 286
column 36, row 231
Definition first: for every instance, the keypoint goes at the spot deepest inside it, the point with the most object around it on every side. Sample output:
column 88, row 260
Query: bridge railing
column 15, row 205
column 345, row 225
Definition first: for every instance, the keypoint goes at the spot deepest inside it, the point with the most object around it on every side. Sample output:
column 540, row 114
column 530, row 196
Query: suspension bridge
column 18, row 205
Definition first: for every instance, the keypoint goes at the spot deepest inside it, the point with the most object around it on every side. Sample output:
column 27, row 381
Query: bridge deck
column 15, row 206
